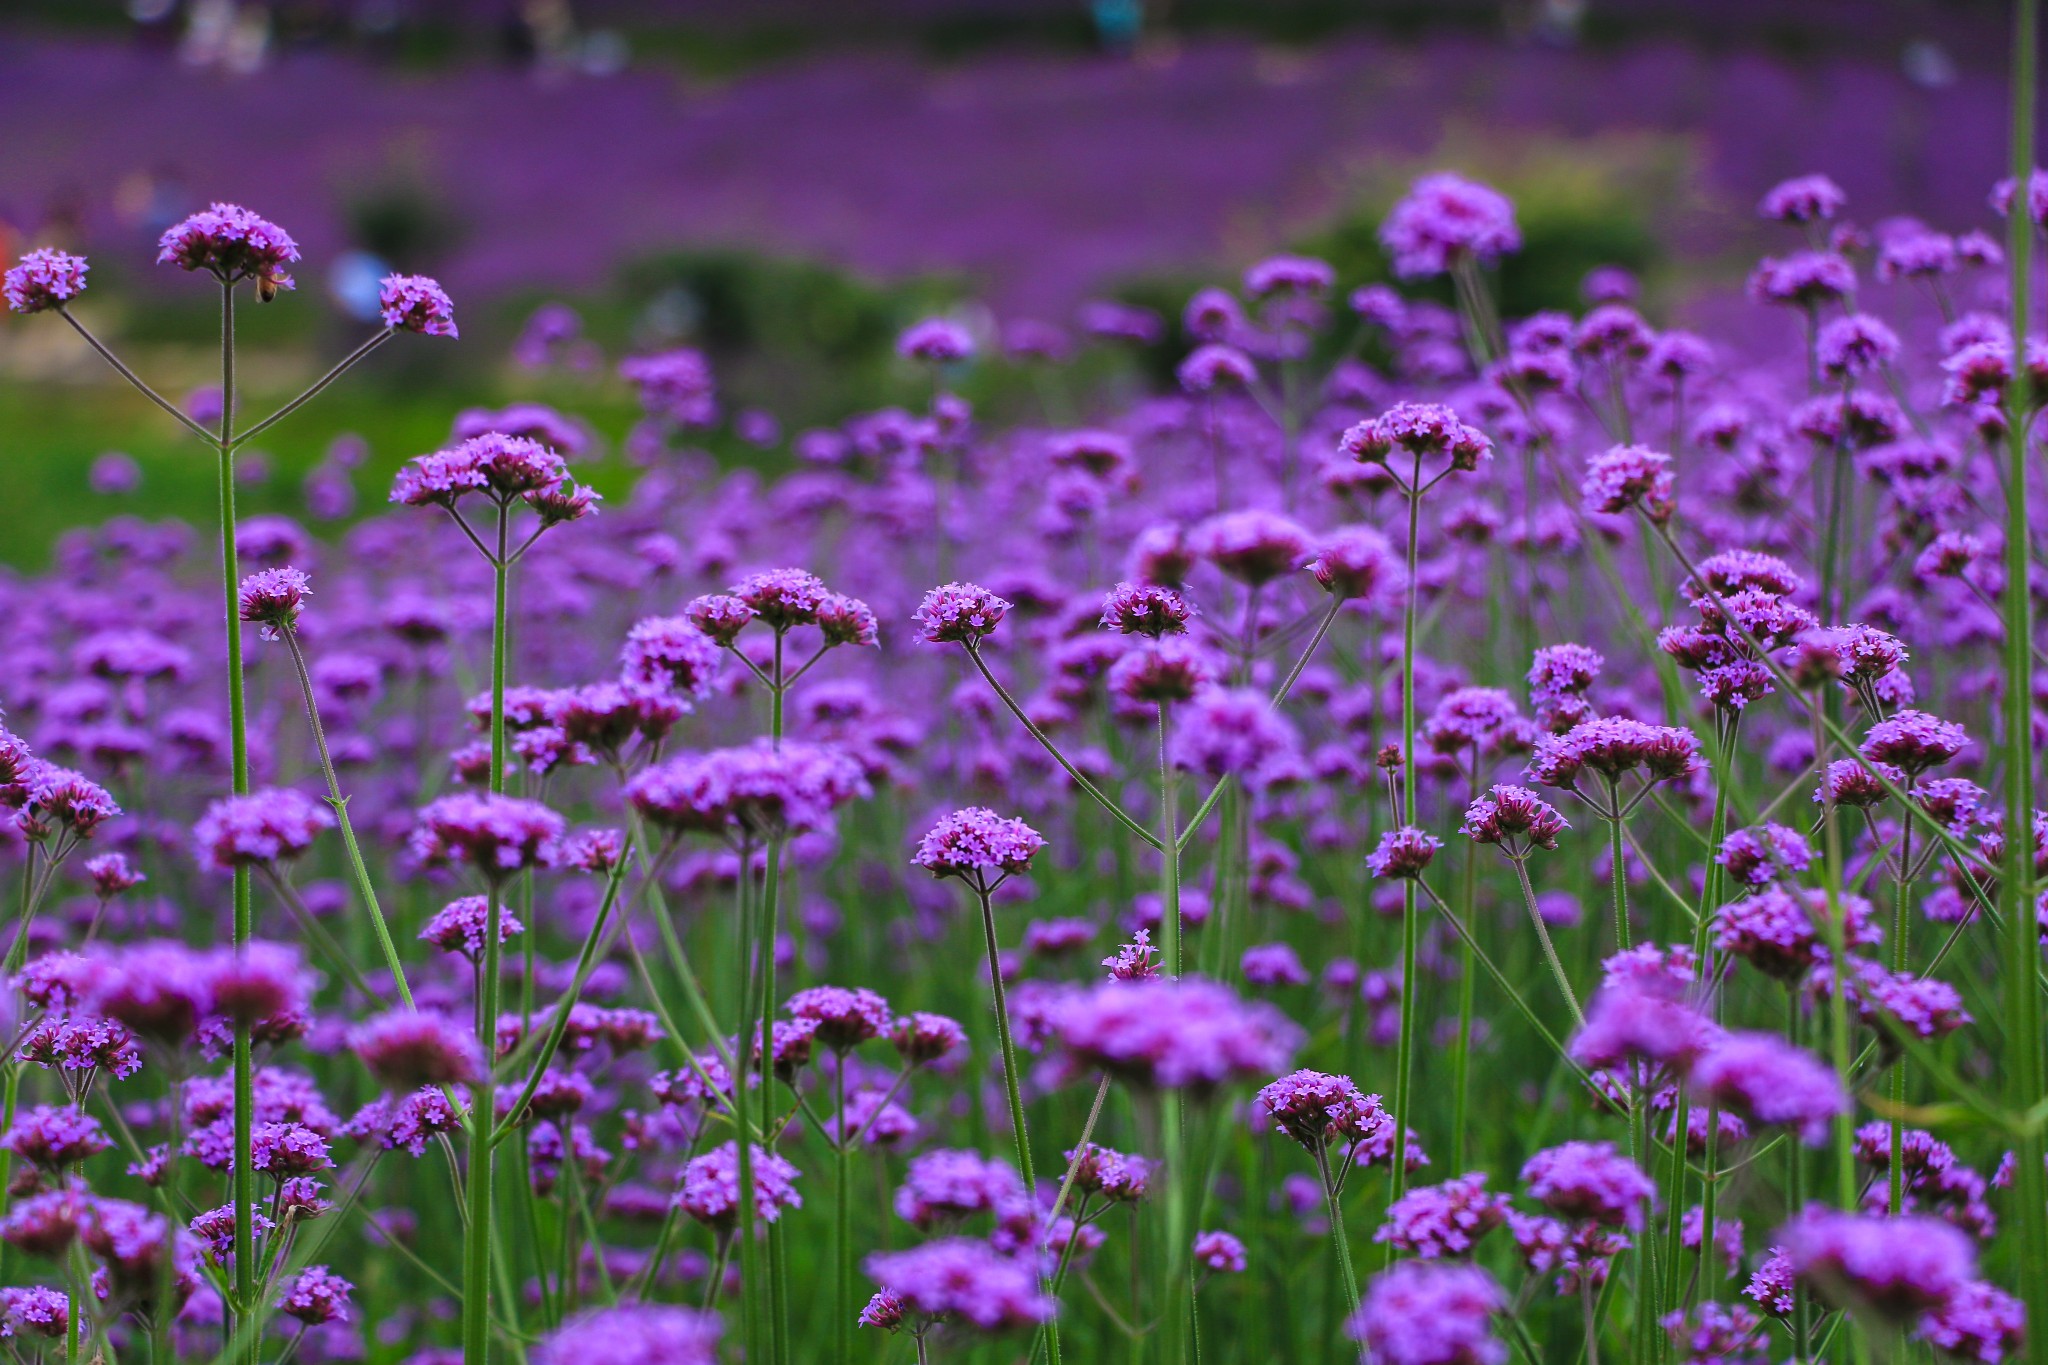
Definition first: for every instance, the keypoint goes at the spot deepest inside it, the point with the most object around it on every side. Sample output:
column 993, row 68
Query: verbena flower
column 46, row 278
column 632, row 1334
column 1446, row 218
column 414, row 303
column 1430, row 1313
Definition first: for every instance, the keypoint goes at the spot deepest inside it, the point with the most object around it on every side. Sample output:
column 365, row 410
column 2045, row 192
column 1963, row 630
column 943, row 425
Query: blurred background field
column 786, row 183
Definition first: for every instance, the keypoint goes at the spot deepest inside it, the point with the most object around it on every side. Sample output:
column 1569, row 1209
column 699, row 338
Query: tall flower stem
column 2024, row 1067
column 1411, row 926
column 842, row 1222
column 771, row 888
column 339, row 804
column 476, row 1256
column 1338, row 1235
column 244, row 1177
column 1012, row 1087
column 1564, row 982
column 743, row 1113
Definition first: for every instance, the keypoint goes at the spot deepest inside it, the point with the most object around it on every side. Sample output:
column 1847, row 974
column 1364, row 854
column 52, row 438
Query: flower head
column 414, row 303
column 959, row 613
column 1430, row 1313
column 230, row 243
column 1444, row 219
column 46, row 278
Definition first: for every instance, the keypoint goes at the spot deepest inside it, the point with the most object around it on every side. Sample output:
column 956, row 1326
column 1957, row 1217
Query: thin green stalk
column 244, row 1176
column 842, row 1223
column 477, row 1244
column 1338, row 1235
column 339, row 805
column 778, row 1298
column 1411, row 932
column 2024, row 1066
column 1564, row 983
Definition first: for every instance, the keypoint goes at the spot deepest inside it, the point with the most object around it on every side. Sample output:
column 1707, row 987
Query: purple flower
column 1216, row 366
column 414, row 303
column 1806, row 279
column 1420, row 431
column 1629, row 476
column 1778, row 930
column 1316, row 1109
column 963, row 1281
column 1446, row 219
column 52, row 1137
column 1762, row 854
column 669, row 652
column 1219, row 1253
column 844, row 1018
column 710, row 1189
column 262, row 828
column 958, row 613
column 1403, row 853
column 1273, row 964
column 1252, row 546
column 1979, row 1322
column 1589, row 1181
column 46, row 278
column 1189, row 1034
column 1803, row 199
column 1115, row 1176
column 496, row 835
column 35, row 1311
column 460, row 927
column 1515, row 818
column 409, row 1049
column 1913, row 741
column 1145, row 609
column 56, row 800
column 921, row 1038
column 230, row 243
column 272, row 598
column 1898, row 1267
column 316, row 1295
column 1768, row 1081
column 1357, row 562
column 975, row 841
column 1226, row 732
column 935, row 341
column 1430, row 1313
column 1433, row 1222
column 1613, row 746
column 632, row 1334
column 947, row 1185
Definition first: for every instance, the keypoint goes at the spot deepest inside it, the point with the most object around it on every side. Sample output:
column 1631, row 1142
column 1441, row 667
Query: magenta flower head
column 783, row 598
column 752, row 791
column 1762, row 854
column 1803, row 199
column 920, row 1038
column 1515, row 818
column 1145, row 609
column 36, row 1311
column 1317, row 1109
column 231, row 244
column 2007, row 190
column 1403, row 854
column 45, row 279
column 1219, row 1253
column 1189, row 1034
column 1357, row 562
column 1216, row 366
column 1613, row 746
column 58, row 801
column 846, row 1018
column 1640, row 1023
column 408, row 1049
column 1446, row 219
column 272, row 599
column 1806, row 279
column 1589, row 1181
column 1418, row 433
column 261, row 981
column 1252, row 546
column 1913, row 741
column 632, row 1334
column 1778, row 930
column 496, row 835
column 1168, row 670
column 962, row 1281
column 414, row 303
column 1289, row 275
column 1430, row 1313
column 710, row 1190
column 1766, row 1080
column 935, row 341
column 262, row 828
column 973, row 842
column 1629, row 476
column 669, row 652
column 316, row 1295
column 1896, row 1267
column 54, row 1136
column 1435, row 1222
column 160, row 990
column 959, row 613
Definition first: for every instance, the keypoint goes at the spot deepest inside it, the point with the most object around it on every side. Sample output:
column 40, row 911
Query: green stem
column 1411, row 930
column 244, row 1177
column 477, row 1244
column 2016, row 885
column 339, row 804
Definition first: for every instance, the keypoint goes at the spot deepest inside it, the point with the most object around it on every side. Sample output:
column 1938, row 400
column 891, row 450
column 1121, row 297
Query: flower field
column 1426, row 837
